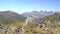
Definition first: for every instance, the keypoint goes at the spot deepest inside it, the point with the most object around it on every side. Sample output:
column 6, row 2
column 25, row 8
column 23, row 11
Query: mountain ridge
column 10, row 16
column 40, row 14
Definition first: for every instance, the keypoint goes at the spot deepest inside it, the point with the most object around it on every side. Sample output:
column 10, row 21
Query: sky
column 21, row 6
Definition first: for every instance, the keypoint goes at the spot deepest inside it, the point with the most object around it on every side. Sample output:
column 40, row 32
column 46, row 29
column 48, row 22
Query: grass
column 14, row 24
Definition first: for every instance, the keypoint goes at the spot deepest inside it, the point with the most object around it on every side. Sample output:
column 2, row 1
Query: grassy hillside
column 10, row 17
column 55, row 16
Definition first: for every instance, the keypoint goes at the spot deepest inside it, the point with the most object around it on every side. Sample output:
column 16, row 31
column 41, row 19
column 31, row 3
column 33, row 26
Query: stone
column 49, row 31
column 31, row 30
column 34, row 32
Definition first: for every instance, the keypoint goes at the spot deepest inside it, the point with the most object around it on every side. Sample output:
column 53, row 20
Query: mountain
column 10, row 16
column 38, row 14
column 53, row 18
column 51, row 24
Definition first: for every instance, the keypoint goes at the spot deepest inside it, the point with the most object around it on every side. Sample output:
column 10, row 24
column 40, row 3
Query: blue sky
column 21, row 6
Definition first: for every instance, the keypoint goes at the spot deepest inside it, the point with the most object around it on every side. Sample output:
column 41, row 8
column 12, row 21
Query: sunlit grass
column 15, row 24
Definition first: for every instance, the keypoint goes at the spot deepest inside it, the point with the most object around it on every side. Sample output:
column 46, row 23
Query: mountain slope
column 54, row 17
column 9, row 16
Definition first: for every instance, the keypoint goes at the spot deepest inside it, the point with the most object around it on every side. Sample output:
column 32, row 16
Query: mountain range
column 39, row 14
column 49, row 22
column 10, row 16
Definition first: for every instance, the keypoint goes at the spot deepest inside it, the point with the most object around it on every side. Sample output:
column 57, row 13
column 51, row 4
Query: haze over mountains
column 40, row 14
